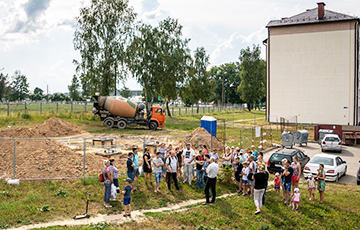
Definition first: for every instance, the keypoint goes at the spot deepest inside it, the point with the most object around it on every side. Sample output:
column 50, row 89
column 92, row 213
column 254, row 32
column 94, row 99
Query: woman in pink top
column 204, row 149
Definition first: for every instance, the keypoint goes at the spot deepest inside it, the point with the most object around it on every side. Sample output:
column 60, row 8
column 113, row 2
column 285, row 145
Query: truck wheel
column 153, row 125
column 109, row 122
column 121, row 124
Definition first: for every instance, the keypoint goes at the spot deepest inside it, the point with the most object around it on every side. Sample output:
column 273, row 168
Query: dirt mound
column 56, row 127
column 202, row 137
column 33, row 159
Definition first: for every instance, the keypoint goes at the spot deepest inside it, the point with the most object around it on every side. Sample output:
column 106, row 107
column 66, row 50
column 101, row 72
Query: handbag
column 101, row 177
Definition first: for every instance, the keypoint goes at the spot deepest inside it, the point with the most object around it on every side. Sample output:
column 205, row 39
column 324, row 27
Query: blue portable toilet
column 210, row 124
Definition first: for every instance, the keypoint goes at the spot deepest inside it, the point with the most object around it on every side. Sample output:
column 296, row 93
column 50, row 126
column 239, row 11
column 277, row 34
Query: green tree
column 39, row 91
column 125, row 92
column 74, row 89
column 227, row 78
column 253, row 76
column 19, row 87
column 200, row 85
column 102, row 35
column 174, row 61
column 35, row 97
column 4, row 86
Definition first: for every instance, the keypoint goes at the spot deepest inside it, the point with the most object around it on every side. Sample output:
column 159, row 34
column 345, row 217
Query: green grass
column 42, row 201
column 339, row 211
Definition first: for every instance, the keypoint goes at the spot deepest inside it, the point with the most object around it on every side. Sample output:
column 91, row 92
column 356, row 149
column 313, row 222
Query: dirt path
column 137, row 215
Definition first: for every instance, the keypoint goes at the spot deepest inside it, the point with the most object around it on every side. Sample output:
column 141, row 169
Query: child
column 296, row 199
column 127, row 196
column 311, row 186
column 245, row 172
column 237, row 170
column 277, row 184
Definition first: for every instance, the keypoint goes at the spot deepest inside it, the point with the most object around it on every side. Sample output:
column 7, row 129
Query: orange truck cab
column 158, row 116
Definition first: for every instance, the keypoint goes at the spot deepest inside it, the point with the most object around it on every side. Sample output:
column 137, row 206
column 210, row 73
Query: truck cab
column 157, row 118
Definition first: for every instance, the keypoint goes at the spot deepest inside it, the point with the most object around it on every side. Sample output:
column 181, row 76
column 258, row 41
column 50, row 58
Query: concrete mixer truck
column 121, row 112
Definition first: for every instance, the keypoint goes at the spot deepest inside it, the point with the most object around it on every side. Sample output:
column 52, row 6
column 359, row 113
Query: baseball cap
column 310, row 175
column 296, row 189
column 232, row 147
column 253, row 146
column 241, row 151
column 128, row 180
column 277, row 174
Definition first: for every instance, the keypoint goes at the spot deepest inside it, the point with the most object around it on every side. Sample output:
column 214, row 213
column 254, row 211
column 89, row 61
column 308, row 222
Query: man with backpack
column 135, row 159
column 171, row 166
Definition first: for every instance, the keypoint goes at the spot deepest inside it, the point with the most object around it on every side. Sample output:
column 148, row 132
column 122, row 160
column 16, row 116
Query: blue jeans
column 200, row 178
column 158, row 176
column 131, row 176
column 107, row 192
column 287, row 187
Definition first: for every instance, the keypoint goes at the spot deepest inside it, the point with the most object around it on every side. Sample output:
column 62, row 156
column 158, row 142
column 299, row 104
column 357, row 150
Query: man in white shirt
column 212, row 172
column 171, row 166
column 188, row 163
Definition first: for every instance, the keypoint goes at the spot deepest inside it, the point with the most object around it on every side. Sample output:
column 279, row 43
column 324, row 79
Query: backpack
column 101, row 177
column 170, row 160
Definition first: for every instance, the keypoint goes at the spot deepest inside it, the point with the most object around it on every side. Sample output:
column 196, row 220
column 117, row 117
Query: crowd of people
column 248, row 166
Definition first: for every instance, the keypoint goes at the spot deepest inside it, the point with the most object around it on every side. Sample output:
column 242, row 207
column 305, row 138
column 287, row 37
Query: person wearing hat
column 311, row 186
column 158, row 163
column 127, row 196
column 296, row 199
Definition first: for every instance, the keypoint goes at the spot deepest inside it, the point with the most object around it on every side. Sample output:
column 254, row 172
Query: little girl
column 311, row 186
column 277, row 184
column 245, row 172
column 296, row 199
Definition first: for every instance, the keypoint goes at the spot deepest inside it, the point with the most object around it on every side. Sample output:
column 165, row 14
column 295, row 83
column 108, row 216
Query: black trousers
column 173, row 176
column 210, row 184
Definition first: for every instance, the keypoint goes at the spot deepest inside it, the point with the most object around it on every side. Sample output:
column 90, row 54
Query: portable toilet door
column 210, row 124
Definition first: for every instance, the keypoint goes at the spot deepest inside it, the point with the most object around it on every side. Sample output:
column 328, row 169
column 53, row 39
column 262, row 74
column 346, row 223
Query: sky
column 36, row 36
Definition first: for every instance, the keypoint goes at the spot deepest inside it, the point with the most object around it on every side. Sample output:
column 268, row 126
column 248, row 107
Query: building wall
column 311, row 73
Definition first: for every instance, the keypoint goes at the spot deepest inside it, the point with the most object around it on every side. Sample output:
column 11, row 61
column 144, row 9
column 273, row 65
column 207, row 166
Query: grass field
column 43, row 201
column 339, row 211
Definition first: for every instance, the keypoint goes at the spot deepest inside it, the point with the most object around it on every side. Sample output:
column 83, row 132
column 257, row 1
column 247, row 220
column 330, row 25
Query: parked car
column 274, row 162
column 358, row 176
column 334, row 166
column 331, row 142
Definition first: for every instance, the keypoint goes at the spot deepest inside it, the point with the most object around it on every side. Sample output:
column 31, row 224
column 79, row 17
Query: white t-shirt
column 246, row 171
column 172, row 163
column 188, row 155
column 311, row 183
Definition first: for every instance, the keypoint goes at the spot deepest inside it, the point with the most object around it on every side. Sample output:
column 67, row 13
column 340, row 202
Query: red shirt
column 277, row 181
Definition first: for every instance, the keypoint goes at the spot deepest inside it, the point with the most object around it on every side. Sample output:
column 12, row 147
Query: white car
column 334, row 166
column 331, row 142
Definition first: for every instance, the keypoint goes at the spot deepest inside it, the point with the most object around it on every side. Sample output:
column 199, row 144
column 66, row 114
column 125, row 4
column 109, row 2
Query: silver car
column 331, row 142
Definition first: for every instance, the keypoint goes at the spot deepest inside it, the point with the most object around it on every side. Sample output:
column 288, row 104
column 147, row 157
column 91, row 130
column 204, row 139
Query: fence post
column 172, row 109
column 14, row 158
column 57, row 107
column 8, row 108
column 40, row 107
column 85, row 105
column 71, row 106
column 233, row 121
column 84, row 161
column 175, row 118
column 179, row 111
column 144, row 145
column 193, row 119
column 49, row 158
column 186, row 110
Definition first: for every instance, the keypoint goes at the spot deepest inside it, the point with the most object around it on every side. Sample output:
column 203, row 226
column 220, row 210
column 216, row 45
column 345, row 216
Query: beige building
column 313, row 68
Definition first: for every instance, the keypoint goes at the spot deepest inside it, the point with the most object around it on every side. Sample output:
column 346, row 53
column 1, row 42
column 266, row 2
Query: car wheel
column 153, row 125
column 345, row 171
column 322, row 150
column 337, row 178
column 358, row 182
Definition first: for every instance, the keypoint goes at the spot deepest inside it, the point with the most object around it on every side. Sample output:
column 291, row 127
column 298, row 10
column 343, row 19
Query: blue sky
column 36, row 35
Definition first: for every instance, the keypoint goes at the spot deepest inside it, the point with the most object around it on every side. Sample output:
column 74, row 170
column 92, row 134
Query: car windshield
column 279, row 157
column 331, row 139
column 322, row 160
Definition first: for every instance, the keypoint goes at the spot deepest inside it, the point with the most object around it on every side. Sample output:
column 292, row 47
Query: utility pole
column 47, row 92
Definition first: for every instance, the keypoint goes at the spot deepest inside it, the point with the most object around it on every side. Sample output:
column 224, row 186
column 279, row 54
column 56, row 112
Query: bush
column 26, row 116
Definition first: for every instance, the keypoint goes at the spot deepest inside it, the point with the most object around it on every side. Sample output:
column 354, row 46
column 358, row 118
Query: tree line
column 113, row 46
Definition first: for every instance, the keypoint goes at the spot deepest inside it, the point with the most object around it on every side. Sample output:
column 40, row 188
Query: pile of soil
column 202, row 137
column 56, row 127
column 32, row 156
